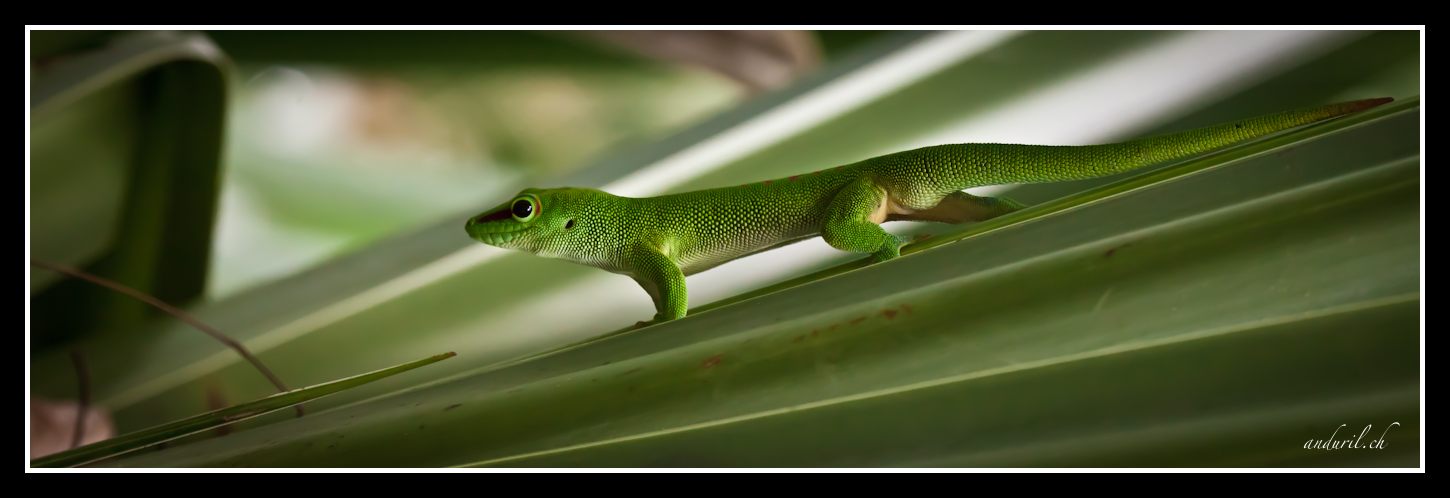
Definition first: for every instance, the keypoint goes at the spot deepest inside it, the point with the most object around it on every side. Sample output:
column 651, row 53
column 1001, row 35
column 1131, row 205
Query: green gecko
column 657, row 241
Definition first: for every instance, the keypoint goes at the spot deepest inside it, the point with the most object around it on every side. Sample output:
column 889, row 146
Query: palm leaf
column 1222, row 311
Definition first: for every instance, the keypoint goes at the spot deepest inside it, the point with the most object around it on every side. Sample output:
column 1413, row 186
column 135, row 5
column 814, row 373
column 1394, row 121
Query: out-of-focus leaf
column 126, row 139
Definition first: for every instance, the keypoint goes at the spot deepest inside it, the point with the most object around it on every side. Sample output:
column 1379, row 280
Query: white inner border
column 464, row 259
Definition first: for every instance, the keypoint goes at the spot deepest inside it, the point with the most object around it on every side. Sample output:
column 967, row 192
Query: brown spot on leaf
column 1110, row 252
column 793, row 177
column 888, row 313
column 857, row 320
column 712, row 361
column 216, row 400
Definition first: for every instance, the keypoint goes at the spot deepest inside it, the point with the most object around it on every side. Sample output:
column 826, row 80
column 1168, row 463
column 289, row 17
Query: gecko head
column 535, row 220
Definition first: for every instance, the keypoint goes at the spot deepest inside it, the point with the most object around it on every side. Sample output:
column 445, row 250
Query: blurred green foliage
column 343, row 137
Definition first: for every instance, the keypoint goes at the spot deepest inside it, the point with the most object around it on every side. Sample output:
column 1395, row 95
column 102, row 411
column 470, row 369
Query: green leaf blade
column 166, row 432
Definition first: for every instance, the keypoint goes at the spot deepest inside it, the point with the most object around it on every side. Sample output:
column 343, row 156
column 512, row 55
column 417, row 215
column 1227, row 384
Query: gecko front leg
column 663, row 280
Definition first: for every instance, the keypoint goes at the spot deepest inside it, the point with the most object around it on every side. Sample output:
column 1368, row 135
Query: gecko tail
column 1174, row 146
column 996, row 164
column 1181, row 145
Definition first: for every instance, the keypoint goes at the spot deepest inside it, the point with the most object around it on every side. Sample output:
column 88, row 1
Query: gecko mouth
column 495, row 228
column 495, row 239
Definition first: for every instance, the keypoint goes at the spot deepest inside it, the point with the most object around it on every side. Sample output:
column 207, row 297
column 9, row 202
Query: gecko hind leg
column 961, row 207
column 852, row 222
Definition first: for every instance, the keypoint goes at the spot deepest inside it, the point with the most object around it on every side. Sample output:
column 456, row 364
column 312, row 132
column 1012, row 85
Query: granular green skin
column 659, row 240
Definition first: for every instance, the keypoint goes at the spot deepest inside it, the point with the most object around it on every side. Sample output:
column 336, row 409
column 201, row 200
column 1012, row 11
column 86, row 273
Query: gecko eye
column 523, row 209
column 569, row 225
